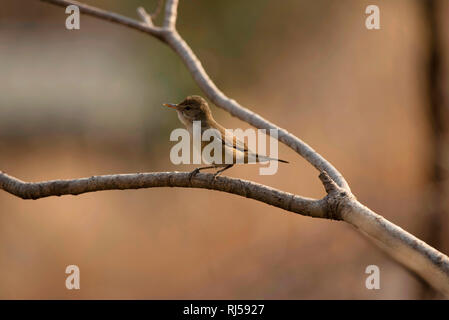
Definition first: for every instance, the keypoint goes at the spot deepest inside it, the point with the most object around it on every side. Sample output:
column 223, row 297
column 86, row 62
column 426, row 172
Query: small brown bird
column 195, row 108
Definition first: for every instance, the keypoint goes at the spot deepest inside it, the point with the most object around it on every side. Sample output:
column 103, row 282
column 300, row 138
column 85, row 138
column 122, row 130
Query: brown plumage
column 195, row 108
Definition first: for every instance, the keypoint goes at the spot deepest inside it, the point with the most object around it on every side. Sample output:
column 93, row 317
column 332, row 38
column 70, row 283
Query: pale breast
column 185, row 122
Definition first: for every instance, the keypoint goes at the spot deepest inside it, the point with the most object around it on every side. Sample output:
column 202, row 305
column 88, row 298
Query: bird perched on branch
column 234, row 150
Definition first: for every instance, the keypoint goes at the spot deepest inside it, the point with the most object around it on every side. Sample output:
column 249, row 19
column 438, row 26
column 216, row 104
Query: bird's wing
column 230, row 140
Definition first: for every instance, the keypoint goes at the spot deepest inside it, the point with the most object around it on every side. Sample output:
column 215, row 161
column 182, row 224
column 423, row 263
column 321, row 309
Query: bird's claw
column 193, row 173
column 216, row 174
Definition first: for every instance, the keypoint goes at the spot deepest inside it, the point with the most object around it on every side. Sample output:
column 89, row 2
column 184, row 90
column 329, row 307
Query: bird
column 195, row 108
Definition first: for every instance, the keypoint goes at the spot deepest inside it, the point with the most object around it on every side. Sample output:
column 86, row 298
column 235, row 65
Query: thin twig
column 145, row 16
column 148, row 18
column 156, row 32
column 158, row 9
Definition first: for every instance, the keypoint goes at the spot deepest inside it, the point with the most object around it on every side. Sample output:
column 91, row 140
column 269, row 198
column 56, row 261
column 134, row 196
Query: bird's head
column 193, row 108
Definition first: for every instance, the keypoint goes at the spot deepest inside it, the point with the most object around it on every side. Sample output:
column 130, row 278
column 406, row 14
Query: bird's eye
column 187, row 108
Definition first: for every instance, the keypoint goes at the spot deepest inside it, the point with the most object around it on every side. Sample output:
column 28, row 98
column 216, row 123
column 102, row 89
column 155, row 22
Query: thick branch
column 413, row 253
column 244, row 188
column 169, row 35
column 144, row 16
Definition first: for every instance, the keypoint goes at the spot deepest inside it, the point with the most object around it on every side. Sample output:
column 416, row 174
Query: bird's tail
column 264, row 158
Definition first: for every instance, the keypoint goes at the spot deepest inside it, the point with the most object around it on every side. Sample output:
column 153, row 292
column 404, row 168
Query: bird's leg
column 197, row 170
column 221, row 170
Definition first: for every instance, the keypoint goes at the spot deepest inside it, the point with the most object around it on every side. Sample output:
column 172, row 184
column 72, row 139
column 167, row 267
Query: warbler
column 195, row 108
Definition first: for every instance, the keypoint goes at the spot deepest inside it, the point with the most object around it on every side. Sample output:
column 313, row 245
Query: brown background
column 88, row 102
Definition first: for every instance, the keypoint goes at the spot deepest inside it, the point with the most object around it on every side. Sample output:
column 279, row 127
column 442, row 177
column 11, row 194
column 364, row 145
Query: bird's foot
column 216, row 174
column 193, row 173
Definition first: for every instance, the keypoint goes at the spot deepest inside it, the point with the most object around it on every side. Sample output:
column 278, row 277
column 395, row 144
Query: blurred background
column 88, row 102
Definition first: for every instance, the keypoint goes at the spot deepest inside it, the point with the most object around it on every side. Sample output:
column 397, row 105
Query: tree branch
column 338, row 204
column 244, row 188
column 171, row 12
column 112, row 17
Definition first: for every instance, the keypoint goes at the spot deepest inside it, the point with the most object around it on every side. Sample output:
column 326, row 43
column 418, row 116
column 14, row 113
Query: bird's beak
column 171, row 105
